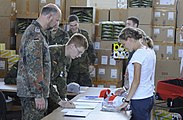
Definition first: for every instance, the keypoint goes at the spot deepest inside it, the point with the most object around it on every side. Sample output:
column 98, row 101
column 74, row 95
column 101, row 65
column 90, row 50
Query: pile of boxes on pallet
column 7, row 59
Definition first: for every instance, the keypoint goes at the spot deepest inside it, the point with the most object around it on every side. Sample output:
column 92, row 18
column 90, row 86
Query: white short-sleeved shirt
column 147, row 58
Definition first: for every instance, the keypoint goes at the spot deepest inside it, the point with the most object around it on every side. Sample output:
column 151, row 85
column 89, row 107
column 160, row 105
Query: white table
column 96, row 114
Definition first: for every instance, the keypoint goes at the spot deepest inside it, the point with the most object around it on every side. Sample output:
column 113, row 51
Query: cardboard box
column 145, row 15
column 102, row 15
column 164, row 50
column 3, row 67
column 107, row 4
column 178, row 51
column 7, row 8
column 108, row 84
column 89, row 27
column 106, row 44
column 164, row 34
column 105, row 59
column 164, row 16
column 109, row 73
column 166, row 69
column 118, row 14
column 147, row 29
column 165, row 3
column 7, row 31
column 179, row 38
column 27, row 8
column 179, row 13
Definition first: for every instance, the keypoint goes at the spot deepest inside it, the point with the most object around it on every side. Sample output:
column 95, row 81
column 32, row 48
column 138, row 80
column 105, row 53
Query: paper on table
column 76, row 112
column 85, row 105
column 90, row 99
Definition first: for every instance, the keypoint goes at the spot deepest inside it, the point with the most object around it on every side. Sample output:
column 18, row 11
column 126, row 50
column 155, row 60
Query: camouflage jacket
column 60, row 64
column 34, row 69
column 81, row 65
column 60, row 37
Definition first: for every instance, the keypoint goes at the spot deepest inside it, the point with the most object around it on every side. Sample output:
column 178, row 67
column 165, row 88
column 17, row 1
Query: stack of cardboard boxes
column 7, row 59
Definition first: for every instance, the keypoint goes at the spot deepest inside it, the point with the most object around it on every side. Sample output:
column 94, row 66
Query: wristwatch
column 126, row 101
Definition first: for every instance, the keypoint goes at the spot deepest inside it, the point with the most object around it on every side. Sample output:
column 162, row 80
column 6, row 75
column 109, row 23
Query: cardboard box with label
column 164, row 50
column 165, row 3
column 105, row 58
column 164, row 16
column 109, row 73
column 164, row 34
column 3, row 67
column 178, row 51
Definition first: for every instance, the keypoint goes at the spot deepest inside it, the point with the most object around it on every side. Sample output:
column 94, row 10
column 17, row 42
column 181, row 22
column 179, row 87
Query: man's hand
column 66, row 104
column 40, row 103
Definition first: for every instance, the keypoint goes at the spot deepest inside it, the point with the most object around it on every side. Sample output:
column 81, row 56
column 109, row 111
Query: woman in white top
column 141, row 70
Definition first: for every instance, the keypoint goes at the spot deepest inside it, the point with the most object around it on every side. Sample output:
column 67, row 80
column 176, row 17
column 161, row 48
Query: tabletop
column 96, row 114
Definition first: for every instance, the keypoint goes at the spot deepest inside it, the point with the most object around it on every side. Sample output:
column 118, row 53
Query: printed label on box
column 114, row 73
column 170, row 15
column 2, row 65
column 169, row 50
column 101, row 71
column 104, row 60
column 112, row 61
column 170, row 33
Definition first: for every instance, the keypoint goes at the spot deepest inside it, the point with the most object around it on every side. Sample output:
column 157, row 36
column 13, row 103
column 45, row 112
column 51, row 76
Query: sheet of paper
column 76, row 112
column 85, row 105
column 94, row 99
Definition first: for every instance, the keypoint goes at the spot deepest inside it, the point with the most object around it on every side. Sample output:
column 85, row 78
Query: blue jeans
column 141, row 109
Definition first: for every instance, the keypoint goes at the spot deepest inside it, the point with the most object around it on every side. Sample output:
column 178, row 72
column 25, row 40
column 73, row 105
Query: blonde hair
column 79, row 40
column 137, row 34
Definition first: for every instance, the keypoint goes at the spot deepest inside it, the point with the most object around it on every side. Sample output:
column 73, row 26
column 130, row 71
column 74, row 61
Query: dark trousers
column 141, row 109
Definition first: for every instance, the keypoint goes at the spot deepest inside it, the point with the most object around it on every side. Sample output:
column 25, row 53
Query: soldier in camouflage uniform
column 57, row 36
column 80, row 68
column 34, row 68
column 61, row 56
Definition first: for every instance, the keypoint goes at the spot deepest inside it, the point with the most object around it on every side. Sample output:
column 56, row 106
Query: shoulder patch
column 37, row 30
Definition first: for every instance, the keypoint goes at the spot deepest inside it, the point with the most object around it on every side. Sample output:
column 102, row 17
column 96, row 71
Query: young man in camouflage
column 61, row 56
column 34, row 69
column 57, row 36
column 80, row 68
